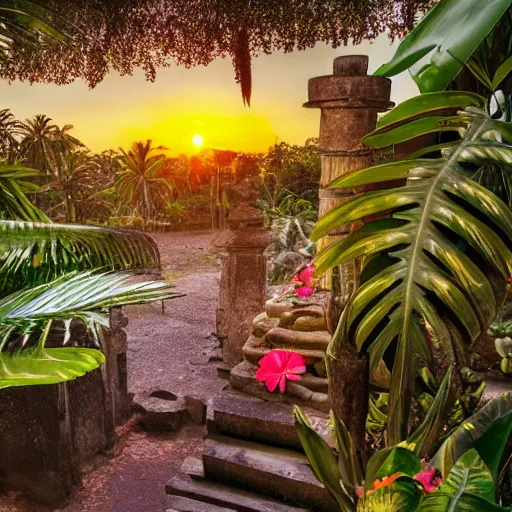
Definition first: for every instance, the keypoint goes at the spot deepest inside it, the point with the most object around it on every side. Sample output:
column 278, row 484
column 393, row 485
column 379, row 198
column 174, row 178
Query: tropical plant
column 52, row 272
column 439, row 245
column 139, row 183
column 73, row 173
column 463, row 474
column 291, row 223
column 447, row 38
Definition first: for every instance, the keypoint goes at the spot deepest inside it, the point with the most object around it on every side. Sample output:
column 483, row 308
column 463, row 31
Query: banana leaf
column 473, row 429
column 445, row 38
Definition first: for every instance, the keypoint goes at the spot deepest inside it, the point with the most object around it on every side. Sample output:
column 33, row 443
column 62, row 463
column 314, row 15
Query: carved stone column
column 349, row 101
column 243, row 278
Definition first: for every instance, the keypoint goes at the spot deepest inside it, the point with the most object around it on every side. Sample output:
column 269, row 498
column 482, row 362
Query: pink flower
column 277, row 366
column 303, row 281
column 430, row 479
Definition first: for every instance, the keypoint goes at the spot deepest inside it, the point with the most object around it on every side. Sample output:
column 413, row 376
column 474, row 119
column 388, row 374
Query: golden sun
column 197, row 140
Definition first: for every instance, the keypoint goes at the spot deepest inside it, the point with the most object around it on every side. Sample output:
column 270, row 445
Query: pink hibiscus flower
column 430, row 479
column 278, row 366
column 303, row 281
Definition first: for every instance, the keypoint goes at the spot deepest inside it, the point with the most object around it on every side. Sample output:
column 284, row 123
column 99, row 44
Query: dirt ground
column 176, row 351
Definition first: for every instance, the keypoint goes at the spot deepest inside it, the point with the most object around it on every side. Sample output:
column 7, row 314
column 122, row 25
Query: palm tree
column 139, row 183
column 72, row 179
column 41, row 141
column 9, row 132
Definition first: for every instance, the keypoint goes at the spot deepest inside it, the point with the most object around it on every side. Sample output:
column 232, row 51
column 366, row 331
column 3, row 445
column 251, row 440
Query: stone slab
column 224, row 496
column 254, row 349
column 179, row 504
column 294, row 340
column 283, row 474
column 193, row 467
column 257, row 420
column 242, row 379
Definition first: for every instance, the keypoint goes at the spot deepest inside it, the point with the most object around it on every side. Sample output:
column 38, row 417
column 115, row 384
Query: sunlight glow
column 197, row 140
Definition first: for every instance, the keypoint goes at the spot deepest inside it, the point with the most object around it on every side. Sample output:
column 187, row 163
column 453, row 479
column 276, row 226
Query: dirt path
column 170, row 351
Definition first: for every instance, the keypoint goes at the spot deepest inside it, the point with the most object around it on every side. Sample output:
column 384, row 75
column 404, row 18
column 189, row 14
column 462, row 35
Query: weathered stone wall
column 47, row 433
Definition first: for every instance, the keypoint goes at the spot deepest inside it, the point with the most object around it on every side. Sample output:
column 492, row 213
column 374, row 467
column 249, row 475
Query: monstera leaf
column 438, row 230
column 437, row 49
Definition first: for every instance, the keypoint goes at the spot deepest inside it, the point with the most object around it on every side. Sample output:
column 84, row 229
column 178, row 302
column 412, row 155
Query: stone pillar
column 243, row 278
column 349, row 101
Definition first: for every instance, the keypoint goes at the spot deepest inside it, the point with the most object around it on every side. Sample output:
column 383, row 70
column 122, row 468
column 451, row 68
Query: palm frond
column 13, row 190
column 33, row 253
column 449, row 242
column 85, row 296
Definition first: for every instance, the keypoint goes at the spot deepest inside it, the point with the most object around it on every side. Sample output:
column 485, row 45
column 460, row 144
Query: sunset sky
column 199, row 101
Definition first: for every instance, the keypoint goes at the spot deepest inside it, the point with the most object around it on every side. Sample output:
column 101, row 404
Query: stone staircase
column 252, row 462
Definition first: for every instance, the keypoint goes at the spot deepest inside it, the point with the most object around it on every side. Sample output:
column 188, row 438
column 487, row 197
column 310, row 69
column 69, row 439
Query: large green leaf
column 31, row 367
column 393, row 310
column 322, row 461
column 473, row 429
column 348, row 464
column 34, row 253
column 429, row 104
column 469, row 486
column 444, row 40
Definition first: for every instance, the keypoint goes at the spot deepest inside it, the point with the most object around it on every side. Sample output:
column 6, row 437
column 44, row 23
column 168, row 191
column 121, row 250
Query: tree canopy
column 106, row 35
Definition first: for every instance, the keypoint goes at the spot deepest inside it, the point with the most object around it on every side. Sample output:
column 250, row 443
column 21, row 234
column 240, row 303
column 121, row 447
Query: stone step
column 260, row 421
column 224, row 496
column 281, row 473
column 179, row 504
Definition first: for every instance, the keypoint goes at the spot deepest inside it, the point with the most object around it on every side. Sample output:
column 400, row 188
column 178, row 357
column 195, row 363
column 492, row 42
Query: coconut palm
column 139, row 183
column 72, row 180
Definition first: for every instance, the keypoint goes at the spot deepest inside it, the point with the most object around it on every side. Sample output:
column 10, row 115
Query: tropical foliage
column 462, row 474
column 439, row 245
column 139, row 183
column 150, row 34
column 54, row 273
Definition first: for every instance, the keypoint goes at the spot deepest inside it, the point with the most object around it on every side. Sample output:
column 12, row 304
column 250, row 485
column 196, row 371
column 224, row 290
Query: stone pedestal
column 47, row 433
column 243, row 278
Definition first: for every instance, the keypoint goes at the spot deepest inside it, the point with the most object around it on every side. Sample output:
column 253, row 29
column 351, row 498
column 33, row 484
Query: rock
column 161, row 411
column 289, row 317
column 254, row 349
column 196, row 409
column 292, row 340
column 310, row 323
column 223, row 371
column 262, row 324
column 193, row 467
column 276, row 307
column 242, row 379
column 179, row 504
column 257, row 420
